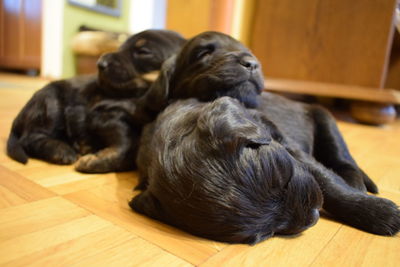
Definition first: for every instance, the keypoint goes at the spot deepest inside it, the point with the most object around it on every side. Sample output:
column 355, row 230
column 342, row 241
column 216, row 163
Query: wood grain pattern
column 22, row 187
column 26, row 244
column 136, row 252
column 31, row 217
column 53, row 216
column 337, row 90
column 275, row 252
column 76, row 250
column 191, row 17
column 333, row 41
column 21, row 30
column 393, row 75
column 192, row 249
column 188, row 17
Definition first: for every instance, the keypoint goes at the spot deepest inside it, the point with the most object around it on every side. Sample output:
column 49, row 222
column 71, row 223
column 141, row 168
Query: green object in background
column 76, row 16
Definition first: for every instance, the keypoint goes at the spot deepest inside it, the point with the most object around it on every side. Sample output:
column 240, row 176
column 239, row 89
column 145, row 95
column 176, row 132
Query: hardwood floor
column 53, row 216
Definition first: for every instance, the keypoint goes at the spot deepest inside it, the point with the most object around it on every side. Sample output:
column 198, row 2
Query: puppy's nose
column 313, row 218
column 105, row 61
column 102, row 64
column 248, row 62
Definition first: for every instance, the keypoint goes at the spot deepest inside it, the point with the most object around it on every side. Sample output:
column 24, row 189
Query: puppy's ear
column 244, row 133
column 271, row 127
column 146, row 204
column 230, row 123
column 156, row 99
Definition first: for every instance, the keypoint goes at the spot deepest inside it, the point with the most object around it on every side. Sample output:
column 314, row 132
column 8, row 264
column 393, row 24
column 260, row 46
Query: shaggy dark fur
column 110, row 123
column 240, row 175
column 53, row 124
column 217, row 171
column 209, row 66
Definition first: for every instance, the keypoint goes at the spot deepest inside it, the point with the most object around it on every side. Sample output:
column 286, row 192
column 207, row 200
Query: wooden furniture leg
column 372, row 113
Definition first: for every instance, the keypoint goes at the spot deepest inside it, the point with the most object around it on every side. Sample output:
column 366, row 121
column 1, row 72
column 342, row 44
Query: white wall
column 147, row 14
column 52, row 38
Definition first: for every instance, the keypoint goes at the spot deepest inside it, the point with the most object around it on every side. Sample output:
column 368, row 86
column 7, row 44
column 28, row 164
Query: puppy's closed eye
column 257, row 145
column 143, row 51
column 203, row 51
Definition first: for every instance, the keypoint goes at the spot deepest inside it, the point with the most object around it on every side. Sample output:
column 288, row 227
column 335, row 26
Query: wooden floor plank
column 351, row 247
column 52, row 175
column 9, row 198
column 22, row 245
column 17, row 166
column 22, row 187
column 279, row 251
column 135, row 252
column 192, row 249
column 31, row 217
column 95, row 181
column 75, row 250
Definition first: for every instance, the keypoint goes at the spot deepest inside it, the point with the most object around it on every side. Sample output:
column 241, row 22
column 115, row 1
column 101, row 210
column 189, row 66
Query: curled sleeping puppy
column 52, row 125
column 237, row 175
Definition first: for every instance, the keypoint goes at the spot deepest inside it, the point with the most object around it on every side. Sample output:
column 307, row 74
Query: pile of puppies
column 89, row 116
column 217, row 157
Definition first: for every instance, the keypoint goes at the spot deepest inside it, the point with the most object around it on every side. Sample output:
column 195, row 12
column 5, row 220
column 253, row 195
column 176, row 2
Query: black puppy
column 221, row 171
column 113, row 133
column 52, row 125
column 210, row 65
column 216, row 170
column 314, row 139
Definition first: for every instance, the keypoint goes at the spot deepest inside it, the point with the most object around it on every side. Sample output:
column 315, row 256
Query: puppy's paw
column 357, row 183
column 358, row 179
column 91, row 163
column 369, row 184
column 85, row 149
column 64, row 156
column 383, row 217
column 82, row 148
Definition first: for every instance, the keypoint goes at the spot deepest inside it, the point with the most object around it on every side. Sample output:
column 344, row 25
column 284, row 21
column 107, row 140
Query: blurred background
column 334, row 48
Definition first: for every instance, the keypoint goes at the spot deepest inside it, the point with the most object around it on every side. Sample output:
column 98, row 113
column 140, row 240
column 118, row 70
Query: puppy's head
column 212, row 65
column 220, row 171
column 131, row 69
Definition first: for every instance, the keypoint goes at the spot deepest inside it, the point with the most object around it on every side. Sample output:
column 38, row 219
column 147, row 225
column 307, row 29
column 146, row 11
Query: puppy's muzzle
column 107, row 61
column 311, row 221
column 249, row 62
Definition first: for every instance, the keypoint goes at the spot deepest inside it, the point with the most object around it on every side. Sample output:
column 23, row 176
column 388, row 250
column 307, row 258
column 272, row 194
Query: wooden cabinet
column 191, row 17
column 335, row 48
column 20, row 34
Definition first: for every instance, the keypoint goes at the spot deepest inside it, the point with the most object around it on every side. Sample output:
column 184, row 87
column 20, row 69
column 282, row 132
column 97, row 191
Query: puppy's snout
column 248, row 62
column 102, row 64
column 313, row 218
column 106, row 61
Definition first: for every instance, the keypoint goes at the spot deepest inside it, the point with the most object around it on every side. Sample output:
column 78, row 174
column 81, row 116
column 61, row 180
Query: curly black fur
column 243, row 173
column 69, row 118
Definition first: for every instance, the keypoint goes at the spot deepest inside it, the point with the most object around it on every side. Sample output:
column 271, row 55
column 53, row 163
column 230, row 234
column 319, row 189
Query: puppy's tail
column 15, row 149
